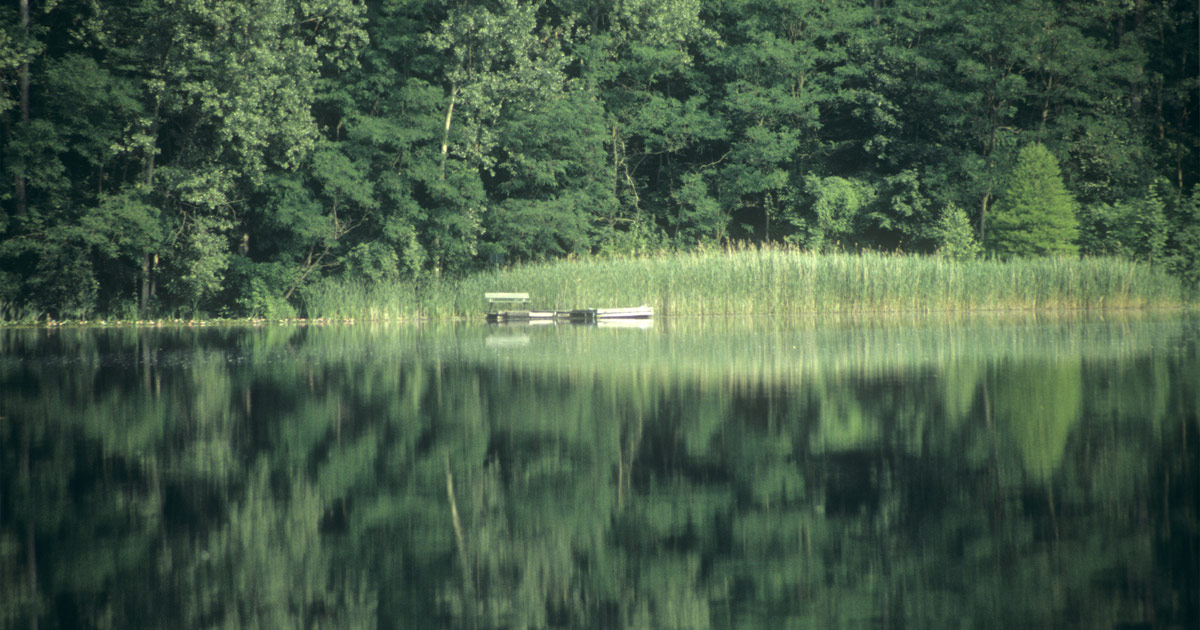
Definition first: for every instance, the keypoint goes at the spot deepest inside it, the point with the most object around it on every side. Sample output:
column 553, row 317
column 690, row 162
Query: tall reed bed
column 383, row 301
column 751, row 281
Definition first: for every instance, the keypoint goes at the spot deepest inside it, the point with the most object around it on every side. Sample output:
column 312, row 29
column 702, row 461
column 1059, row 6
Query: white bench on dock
column 495, row 300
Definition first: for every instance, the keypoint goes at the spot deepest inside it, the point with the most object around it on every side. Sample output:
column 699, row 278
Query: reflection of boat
column 625, row 323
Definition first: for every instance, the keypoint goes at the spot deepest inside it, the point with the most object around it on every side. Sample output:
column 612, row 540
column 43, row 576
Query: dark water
column 986, row 472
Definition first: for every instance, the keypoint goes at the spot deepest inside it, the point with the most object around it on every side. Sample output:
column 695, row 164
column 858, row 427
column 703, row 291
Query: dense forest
column 219, row 156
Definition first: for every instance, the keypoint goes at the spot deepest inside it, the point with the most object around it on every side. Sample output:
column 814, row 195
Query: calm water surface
column 907, row 472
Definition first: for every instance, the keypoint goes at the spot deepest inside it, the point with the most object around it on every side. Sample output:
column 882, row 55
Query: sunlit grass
column 771, row 281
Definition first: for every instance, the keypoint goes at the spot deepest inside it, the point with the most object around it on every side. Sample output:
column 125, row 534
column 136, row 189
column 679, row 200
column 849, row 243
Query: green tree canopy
column 172, row 156
column 955, row 238
column 1036, row 213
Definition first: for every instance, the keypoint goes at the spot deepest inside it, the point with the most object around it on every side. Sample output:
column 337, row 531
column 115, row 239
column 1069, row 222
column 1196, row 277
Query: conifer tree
column 955, row 238
column 1036, row 213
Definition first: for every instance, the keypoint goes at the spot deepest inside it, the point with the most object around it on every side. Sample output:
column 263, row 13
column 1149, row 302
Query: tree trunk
column 983, row 210
column 1046, row 104
column 446, row 129
column 144, row 302
column 461, row 543
column 150, row 259
column 1137, row 81
column 152, row 150
column 23, row 81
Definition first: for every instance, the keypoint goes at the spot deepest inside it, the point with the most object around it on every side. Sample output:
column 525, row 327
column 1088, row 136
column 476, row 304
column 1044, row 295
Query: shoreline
column 747, row 281
column 170, row 323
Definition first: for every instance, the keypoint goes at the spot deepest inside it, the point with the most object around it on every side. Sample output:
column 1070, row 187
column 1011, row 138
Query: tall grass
column 771, row 280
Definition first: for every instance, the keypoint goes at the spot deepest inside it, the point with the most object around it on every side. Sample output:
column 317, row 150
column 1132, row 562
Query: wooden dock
column 586, row 315
column 514, row 302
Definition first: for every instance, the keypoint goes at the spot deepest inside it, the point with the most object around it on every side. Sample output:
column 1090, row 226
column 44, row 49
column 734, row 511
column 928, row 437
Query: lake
column 986, row 471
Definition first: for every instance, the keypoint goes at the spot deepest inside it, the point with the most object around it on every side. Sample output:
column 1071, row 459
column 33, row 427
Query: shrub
column 955, row 238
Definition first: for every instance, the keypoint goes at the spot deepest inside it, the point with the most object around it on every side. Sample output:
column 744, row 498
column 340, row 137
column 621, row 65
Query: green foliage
column 700, row 219
column 63, row 280
column 200, row 261
column 641, row 238
column 394, row 141
column 1135, row 229
column 1183, row 256
column 836, row 205
column 16, row 313
column 374, row 262
column 260, row 288
column 953, row 235
column 555, row 198
column 354, row 298
column 1035, row 215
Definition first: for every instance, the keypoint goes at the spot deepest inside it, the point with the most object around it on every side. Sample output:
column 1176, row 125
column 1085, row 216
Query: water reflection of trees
column 811, row 477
